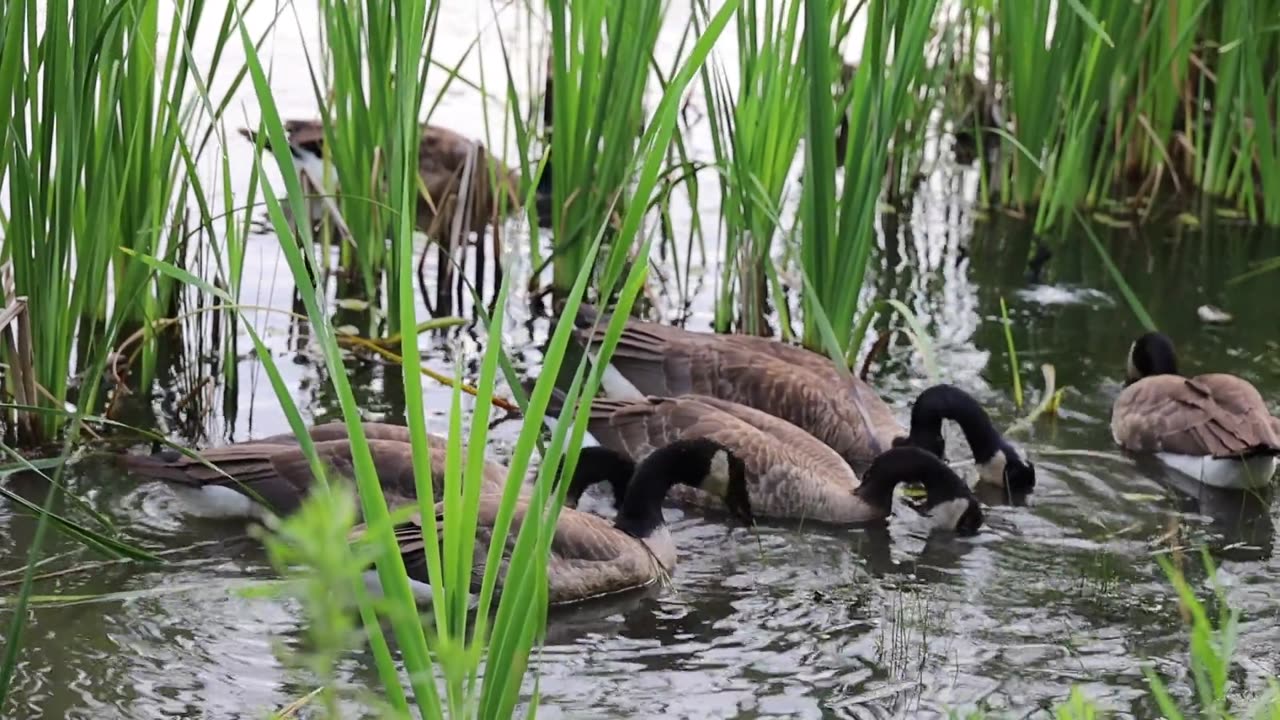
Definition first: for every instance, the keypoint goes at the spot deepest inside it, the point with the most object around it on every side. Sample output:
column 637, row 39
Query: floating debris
column 1111, row 222
column 1063, row 294
column 1212, row 314
column 353, row 304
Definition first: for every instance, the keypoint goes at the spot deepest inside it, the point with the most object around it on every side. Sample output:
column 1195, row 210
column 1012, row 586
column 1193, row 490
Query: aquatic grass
column 755, row 134
column 1124, row 101
column 837, row 231
column 600, row 54
column 1213, row 645
column 364, row 131
column 1014, row 371
column 505, row 648
column 96, row 111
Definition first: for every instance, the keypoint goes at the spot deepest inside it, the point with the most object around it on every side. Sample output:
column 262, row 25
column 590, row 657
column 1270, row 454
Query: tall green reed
column 755, row 134
column 445, row 673
column 600, row 55
column 99, row 112
column 372, row 53
column 837, row 230
column 1113, row 101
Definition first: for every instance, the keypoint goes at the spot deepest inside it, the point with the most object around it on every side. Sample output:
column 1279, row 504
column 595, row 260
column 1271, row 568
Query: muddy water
column 1056, row 593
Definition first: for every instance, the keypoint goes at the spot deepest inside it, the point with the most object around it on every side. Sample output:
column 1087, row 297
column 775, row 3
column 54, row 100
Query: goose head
column 1151, row 354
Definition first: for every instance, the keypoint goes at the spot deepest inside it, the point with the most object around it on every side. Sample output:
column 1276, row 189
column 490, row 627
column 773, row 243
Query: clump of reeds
column 1131, row 101
column 102, row 113
column 599, row 70
column 446, row 679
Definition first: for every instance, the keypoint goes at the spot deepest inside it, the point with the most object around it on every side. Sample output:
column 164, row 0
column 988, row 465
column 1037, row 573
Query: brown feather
column 790, row 474
column 1215, row 414
column 589, row 557
column 442, row 158
column 783, row 380
column 280, row 476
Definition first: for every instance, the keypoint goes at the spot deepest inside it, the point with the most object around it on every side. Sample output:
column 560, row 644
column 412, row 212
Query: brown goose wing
column 280, row 475
column 338, row 431
column 789, row 472
column 1217, row 414
column 871, row 407
column 589, row 557
column 789, row 382
column 443, row 151
column 494, row 472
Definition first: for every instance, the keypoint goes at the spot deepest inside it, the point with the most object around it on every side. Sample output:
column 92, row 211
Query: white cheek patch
column 717, row 481
column 1130, row 367
column 946, row 515
column 992, row 471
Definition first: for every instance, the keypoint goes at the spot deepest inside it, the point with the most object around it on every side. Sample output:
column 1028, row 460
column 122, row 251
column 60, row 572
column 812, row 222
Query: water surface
column 890, row 622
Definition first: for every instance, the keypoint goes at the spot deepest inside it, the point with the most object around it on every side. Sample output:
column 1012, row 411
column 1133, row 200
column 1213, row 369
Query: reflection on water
column 1059, row 590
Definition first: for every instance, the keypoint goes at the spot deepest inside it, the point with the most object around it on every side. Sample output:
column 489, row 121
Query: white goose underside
column 1228, row 474
column 218, row 502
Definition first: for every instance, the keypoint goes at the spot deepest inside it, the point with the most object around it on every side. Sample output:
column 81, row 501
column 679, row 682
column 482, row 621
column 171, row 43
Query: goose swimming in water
column 1215, row 428
column 799, row 386
column 591, row 557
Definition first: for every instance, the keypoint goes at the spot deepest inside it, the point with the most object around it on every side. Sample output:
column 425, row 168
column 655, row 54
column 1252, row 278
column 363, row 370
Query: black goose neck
column 907, row 463
column 640, row 513
column 948, row 402
column 1153, row 354
column 600, row 464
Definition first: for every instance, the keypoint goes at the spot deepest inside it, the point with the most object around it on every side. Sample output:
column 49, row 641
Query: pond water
column 1060, row 592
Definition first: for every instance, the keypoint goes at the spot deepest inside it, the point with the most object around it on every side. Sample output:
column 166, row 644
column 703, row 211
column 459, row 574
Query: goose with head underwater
column 799, row 386
column 591, row 557
column 790, row 474
column 273, row 475
column 1214, row 428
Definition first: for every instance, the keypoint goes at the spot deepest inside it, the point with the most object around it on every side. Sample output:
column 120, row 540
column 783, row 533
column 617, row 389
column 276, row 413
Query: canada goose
column 999, row 461
column 337, row 430
column 443, row 157
column 1214, row 428
column 594, row 464
column 592, row 557
column 799, row 386
column 790, row 474
column 250, row 478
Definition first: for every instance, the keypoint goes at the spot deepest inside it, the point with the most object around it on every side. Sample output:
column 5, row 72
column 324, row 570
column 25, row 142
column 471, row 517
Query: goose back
column 279, row 476
column 1216, row 415
column 790, row 474
column 589, row 557
column 785, row 381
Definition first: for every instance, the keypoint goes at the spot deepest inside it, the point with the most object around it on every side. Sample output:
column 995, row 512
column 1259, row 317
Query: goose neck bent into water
column 948, row 500
column 698, row 463
column 998, row 461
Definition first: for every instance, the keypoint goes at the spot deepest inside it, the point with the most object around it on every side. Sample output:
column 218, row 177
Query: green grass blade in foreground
column 1013, row 354
column 501, row 691
column 390, row 565
column 1116, row 276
